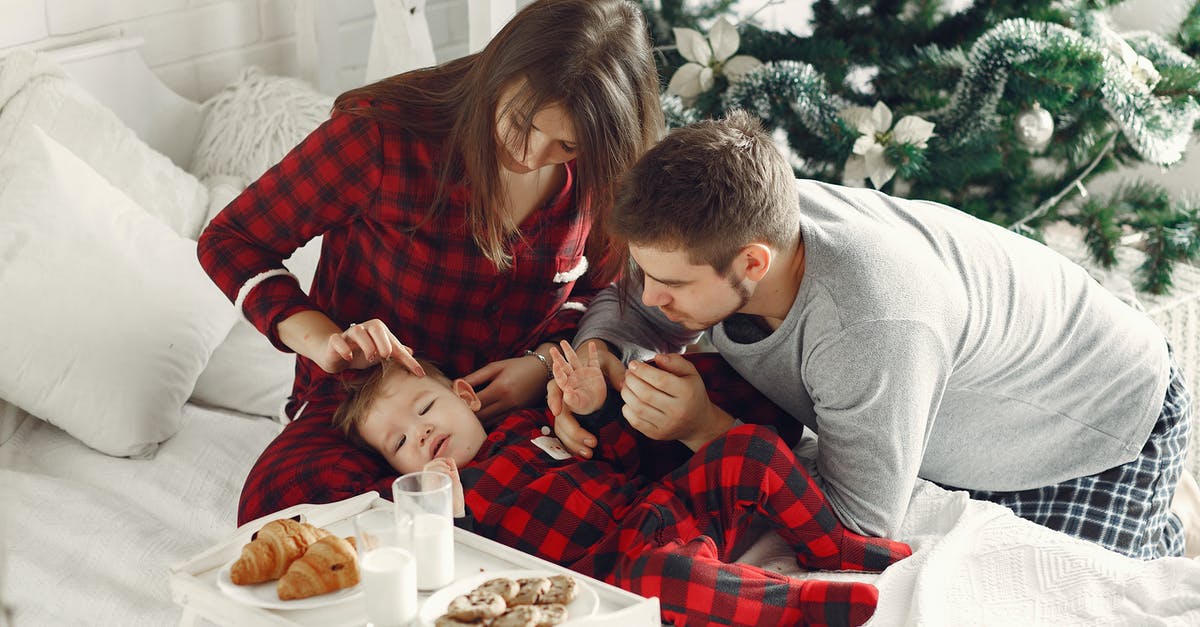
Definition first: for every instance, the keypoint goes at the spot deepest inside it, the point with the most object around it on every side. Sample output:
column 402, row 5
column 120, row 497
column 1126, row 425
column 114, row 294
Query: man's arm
column 635, row 332
column 638, row 332
column 876, row 389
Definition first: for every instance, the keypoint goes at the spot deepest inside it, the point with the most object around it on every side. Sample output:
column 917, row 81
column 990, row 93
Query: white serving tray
column 194, row 582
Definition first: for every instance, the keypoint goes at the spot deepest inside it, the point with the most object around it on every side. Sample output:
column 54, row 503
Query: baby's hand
column 582, row 382
column 446, row 466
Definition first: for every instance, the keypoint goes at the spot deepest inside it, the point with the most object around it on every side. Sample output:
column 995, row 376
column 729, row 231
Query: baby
column 669, row 538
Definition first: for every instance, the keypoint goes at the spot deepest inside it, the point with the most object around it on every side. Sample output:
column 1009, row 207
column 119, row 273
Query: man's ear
column 755, row 259
column 463, row 390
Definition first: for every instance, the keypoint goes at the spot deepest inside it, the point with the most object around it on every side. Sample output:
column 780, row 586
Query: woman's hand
column 508, row 384
column 314, row 335
column 446, row 466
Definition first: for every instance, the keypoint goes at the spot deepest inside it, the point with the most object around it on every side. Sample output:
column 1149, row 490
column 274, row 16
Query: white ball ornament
column 1034, row 127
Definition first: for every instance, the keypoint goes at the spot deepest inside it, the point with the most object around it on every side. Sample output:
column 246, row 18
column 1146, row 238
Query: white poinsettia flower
column 868, row 158
column 707, row 59
column 1139, row 66
column 913, row 130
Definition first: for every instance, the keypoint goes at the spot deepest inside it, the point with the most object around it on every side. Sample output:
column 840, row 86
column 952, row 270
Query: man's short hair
column 710, row 188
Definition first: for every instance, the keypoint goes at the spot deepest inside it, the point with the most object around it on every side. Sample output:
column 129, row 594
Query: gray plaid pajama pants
column 1126, row 508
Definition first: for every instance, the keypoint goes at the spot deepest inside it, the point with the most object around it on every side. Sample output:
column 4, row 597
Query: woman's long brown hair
column 593, row 57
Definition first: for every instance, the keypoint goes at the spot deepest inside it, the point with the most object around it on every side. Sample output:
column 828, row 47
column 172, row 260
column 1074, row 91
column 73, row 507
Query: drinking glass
column 388, row 569
column 424, row 506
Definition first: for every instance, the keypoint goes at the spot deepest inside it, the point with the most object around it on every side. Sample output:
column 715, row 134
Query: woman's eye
column 567, row 148
column 401, row 442
column 425, row 409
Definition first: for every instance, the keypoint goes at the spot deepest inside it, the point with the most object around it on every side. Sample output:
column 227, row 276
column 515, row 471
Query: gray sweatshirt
column 927, row 343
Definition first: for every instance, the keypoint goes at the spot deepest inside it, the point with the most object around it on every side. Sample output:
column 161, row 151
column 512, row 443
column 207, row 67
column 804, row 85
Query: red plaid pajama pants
column 676, row 544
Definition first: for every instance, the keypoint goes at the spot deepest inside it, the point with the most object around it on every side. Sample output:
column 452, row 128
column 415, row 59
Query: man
column 914, row 339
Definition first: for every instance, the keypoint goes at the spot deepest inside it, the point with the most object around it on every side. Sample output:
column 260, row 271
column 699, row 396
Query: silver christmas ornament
column 1034, row 127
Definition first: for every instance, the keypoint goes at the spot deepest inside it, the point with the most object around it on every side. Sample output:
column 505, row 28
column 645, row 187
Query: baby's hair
column 362, row 391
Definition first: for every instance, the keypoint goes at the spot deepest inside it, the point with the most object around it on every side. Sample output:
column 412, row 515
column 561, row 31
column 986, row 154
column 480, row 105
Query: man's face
column 695, row 296
column 415, row 419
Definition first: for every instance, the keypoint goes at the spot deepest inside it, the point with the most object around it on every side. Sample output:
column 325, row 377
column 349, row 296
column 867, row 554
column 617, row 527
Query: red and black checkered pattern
column 606, row 518
column 695, row 587
column 367, row 190
column 672, row 538
column 311, row 462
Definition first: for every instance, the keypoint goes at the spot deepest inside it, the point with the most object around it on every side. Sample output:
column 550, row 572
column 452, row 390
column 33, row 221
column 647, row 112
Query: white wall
column 198, row 46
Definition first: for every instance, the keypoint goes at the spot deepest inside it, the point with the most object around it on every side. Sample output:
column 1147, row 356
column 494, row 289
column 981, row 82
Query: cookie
column 552, row 614
column 532, row 589
column 476, row 606
column 446, row 621
column 519, row 616
column 562, row 590
column 503, row 586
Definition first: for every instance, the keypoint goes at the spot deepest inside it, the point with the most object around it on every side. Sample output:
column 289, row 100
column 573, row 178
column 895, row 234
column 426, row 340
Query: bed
column 135, row 401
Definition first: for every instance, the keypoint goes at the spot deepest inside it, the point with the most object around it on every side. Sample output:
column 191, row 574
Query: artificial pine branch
column 1114, row 99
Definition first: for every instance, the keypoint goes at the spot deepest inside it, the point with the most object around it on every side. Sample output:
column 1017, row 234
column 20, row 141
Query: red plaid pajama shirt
column 672, row 538
column 366, row 188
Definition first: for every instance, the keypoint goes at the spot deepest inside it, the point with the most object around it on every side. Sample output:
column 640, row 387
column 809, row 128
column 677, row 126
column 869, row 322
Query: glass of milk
column 424, row 505
column 387, row 569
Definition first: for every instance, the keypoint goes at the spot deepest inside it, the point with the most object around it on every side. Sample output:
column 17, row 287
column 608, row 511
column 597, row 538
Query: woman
column 461, row 209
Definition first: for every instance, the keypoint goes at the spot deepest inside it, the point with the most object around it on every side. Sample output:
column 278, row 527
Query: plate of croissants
column 292, row 565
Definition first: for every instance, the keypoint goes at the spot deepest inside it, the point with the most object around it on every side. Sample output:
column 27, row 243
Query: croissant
column 273, row 549
column 329, row 564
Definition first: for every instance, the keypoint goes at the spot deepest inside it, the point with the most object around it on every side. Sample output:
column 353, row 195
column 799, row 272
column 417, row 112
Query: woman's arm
column 322, row 183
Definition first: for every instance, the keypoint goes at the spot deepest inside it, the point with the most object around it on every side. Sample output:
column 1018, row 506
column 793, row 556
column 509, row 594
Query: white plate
column 585, row 604
column 265, row 594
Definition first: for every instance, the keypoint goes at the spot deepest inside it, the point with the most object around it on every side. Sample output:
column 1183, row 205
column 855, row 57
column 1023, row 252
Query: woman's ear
column 463, row 390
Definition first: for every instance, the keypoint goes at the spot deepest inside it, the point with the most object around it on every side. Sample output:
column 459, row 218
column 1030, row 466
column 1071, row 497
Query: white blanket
column 88, row 538
column 976, row 563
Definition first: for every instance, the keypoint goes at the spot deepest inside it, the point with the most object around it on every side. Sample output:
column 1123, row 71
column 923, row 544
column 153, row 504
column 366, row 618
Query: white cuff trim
column 573, row 273
column 573, row 306
column 253, row 283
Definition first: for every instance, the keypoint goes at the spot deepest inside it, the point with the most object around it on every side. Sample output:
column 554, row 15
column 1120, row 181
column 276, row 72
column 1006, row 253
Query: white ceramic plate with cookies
column 265, row 595
column 586, row 602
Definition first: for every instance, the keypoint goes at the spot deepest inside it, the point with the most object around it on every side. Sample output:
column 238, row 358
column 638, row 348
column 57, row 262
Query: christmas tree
column 1001, row 108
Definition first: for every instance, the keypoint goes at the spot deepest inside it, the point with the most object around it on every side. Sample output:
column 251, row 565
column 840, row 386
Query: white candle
column 433, row 545
column 389, row 579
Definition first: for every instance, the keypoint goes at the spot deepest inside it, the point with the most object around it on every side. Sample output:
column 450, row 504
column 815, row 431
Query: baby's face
column 416, row 419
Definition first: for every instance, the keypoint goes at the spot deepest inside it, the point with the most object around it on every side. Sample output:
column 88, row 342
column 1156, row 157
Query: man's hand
column 446, row 466
column 568, row 430
column 506, row 385
column 667, row 400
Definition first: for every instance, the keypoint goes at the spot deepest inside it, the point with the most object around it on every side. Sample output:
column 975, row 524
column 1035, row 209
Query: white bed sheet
column 88, row 539
column 976, row 563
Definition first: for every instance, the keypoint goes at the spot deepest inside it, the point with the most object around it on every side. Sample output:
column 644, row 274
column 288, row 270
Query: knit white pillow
column 254, row 121
column 108, row 317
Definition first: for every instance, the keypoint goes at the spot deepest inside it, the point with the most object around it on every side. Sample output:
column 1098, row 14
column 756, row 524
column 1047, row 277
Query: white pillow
column 34, row 91
column 247, row 373
column 108, row 317
column 254, row 121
